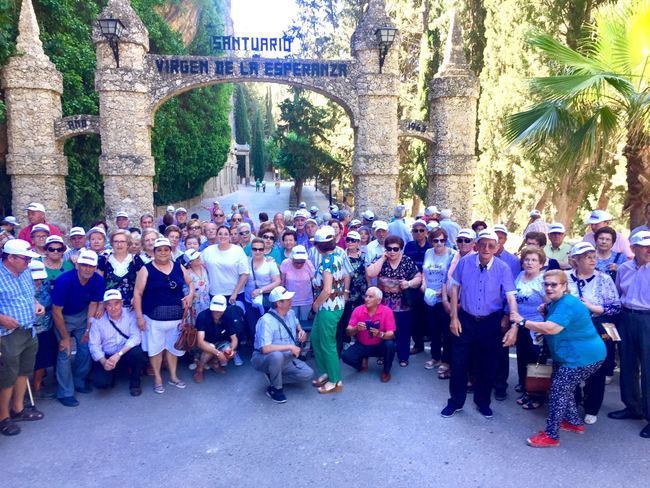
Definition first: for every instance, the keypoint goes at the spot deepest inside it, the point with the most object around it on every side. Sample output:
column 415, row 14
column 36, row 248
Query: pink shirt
column 622, row 243
column 298, row 280
column 383, row 318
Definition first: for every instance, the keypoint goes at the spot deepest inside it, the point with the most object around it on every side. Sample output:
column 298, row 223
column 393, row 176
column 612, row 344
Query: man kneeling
column 114, row 344
column 276, row 350
column 373, row 324
column 217, row 330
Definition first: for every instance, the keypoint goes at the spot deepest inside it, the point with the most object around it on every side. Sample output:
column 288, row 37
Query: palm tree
column 600, row 97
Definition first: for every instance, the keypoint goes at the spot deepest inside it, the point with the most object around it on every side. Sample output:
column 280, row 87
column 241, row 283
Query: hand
column 542, row 309
column 447, row 306
column 361, row 326
column 612, row 267
column 85, row 337
column 111, row 362
column 588, row 304
column 515, row 317
column 221, row 356
column 39, row 309
column 374, row 332
column 186, row 302
column 9, row 323
column 510, row 338
column 404, row 284
column 64, row 345
column 142, row 325
column 302, row 336
column 505, row 323
column 99, row 312
column 255, row 292
column 295, row 350
column 233, row 299
column 455, row 327
column 314, row 307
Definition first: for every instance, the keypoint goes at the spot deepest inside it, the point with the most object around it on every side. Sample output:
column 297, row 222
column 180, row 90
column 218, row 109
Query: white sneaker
column 590, row 419
column 608, row 380
column 238, row 361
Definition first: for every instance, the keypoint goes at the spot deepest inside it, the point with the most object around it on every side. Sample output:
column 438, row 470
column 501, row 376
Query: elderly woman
column 39, row 234
column 330, row 292
column 607, row 261
column 264, row 276
column 577, row 351
column 199, row 276
column 96, row 238
column 435, row 269
column 54, row 263
column 173, row 234
column 159, row 307
column 271, row 251
column 598, row 292
column 148, row 239
column 297, row 273
column 119, row 268
column 397, row 275
column 194, row 229
column 278, row 222
column 289, row 240
column 530, row 296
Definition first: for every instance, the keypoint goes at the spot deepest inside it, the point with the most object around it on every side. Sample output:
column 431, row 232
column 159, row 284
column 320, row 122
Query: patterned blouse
column 389, row 279
column 599, row 289
column 119, row 276
column 358, row 283
column 332, row 263
column 201, row 293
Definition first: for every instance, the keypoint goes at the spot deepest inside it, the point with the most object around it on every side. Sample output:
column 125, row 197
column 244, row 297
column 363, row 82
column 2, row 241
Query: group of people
column 92, row 305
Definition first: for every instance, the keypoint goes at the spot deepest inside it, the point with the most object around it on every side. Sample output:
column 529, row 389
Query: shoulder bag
column 266, row 303
column 188, row 336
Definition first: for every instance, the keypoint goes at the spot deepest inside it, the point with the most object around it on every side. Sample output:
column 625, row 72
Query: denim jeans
column 71, row 371
column 354, row 354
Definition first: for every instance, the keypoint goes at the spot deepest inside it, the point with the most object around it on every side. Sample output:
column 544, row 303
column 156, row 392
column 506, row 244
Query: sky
column 262, row 18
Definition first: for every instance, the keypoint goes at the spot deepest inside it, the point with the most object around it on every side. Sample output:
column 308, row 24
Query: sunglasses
column 236, row 220
column 55, row 249
column 550, row 285
column 245, row 233
column 257, row 249
column 438, row 241
column 269, row 237
column 461, row 240
column 418, row 231
column 350, row 239
column 194, row 227
column 218, row 215
column 393, row 249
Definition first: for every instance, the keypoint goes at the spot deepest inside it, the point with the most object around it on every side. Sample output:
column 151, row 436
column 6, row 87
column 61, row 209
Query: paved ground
column 226, row 432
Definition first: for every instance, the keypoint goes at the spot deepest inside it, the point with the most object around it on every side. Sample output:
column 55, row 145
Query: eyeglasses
column 418, row 231
column 257, row 249
column 461, row 240
column 236, row 220
column 437, row 241
column 116, row 242
column 245, row 233
column 393, row 249
column 218, row 215
column 268, row 237
column 55, row 249
column 27, row 259
column 548, row 284
column 194, row 227
column 350, row 239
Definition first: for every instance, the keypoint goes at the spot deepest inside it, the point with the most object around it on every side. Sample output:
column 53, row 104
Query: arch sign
column 132, row 90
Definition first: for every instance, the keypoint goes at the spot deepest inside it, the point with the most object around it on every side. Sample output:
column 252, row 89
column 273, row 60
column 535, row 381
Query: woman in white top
column 228, row 268
column 119, row 269
column 264, row 276
column 149, row 236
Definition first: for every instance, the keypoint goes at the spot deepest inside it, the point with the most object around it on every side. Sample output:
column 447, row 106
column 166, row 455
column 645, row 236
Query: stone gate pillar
column 126, row 163
column 33, row 88
column 375, row 164
column 452, row 160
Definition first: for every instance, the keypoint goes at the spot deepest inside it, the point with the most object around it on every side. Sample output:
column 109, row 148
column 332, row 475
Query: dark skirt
column 48, row 349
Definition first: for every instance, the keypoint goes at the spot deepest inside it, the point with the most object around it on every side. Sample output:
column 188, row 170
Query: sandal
column 159, row 389
column 532, row 405
column 180, row 384
column 320, row 382
column 523, row 399
column 28, row 414
column 431, row 363
column 403, row 364
column 334, row 388
column 444, row 372
column 8, row 428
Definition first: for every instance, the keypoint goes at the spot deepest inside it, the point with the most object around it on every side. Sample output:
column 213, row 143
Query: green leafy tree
column 600, row 98
column 242, row 124
column 258, row 157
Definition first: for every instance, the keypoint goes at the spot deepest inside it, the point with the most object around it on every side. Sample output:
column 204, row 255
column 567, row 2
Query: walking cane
column 29, row 391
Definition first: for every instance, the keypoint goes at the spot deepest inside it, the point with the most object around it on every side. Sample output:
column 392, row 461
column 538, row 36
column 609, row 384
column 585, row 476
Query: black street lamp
column 112, row 30
column 385, row 37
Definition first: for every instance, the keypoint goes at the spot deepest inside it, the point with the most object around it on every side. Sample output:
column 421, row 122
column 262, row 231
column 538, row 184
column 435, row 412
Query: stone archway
column 130, row 94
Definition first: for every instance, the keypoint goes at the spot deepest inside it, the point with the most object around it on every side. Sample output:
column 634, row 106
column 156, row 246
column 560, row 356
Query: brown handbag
column 538, row 377
column 188, row 337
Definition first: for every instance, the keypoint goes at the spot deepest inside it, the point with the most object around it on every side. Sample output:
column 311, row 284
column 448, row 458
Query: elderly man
column 535, row 223
column 217, row 328
column 633, row 282
column 373, row 324
column 114, row 344
column 77, row 241
column 210, row 235
column 599, row 219
column 122, row 220
column 277, row 337
column 368, row 218
column 375, row 249
column 431, row 213
column 311, row 226
column 299, row 221
column 645, row 226
column 398, row 226
column 76, row 297
column 180, row 216
column 146, row 221
column 450, row 227
column 18, row 343
column 36, row 215
column 480, row 281
column 507, row 257
column 556, row 248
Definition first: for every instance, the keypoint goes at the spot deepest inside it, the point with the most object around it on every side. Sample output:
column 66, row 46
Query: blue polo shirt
column 74, row 297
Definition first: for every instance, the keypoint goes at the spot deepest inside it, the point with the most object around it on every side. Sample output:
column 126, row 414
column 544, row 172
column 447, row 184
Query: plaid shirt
column 17, row 298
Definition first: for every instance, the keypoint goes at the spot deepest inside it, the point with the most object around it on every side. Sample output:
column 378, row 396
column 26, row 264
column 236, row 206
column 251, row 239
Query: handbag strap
column 254, row 277
column 118, row 330
column 284, row 324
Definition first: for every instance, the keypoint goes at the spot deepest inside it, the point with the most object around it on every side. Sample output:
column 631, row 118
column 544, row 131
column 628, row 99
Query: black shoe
column 500, row 395
column 69, row 401
column 449, row 411
column 624, row 415
column 645, row 433
column 485, row 411
column 276, row 395
column 135, row 391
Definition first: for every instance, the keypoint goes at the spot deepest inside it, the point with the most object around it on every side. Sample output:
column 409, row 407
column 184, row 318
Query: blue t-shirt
column 578, row 344
column 74, row 297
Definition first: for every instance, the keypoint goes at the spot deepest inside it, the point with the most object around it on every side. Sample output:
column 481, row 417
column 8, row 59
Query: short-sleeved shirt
column 416, row 252
column 74, row 297
column 511, row 260
column 298, row 280
column 530, row 295
column 633, row 283
column 435, row 270
column 383, row 319
column 560, row 254
column 269, row 330
column 260, row 277
column 578, row 344
column 331, row 263
column 215, row 332
column 616, row 258
column 53, row 274
column 224, row 268
column 389, row 279
column 17, row 298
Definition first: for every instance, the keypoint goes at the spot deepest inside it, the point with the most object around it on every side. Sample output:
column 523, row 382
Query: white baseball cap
column 499, row 228
column 355, row 223
column 191, row 254
column 581, row 248
column 312, row 221
column 314, row 209
column 299, row 252
column 556, row 228
column 534, row 213
column 431, row 210
column 334, row 209
column 598, row 216
column 10, row 219
column 170, row 208
column 353, row 234
column 641, row 238
column 487, row 234
column 302, row 205
column 368, row 215
column 161, row 242
column 41, row 227
column 87, row 256
column 37, row 269
column 379, row 225
column 181, row 210
column 94, row 230
column 467, row 234
column 324, row 234
column 218, row 303
column 280, row 293
column 35, row 207
column 418, row 222
column 57, row 239
column 77, row 231
column 302, row 213
column 19, row 247
column 121, row 215
column 112, row 295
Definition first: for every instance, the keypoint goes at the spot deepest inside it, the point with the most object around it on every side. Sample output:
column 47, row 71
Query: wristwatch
column 120, row 353
column 522, row 323
column 381, row 334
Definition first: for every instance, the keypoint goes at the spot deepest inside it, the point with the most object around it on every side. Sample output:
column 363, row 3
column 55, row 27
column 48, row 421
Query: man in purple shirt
column 481, row 281
column 299, row 221
column 633, row 283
